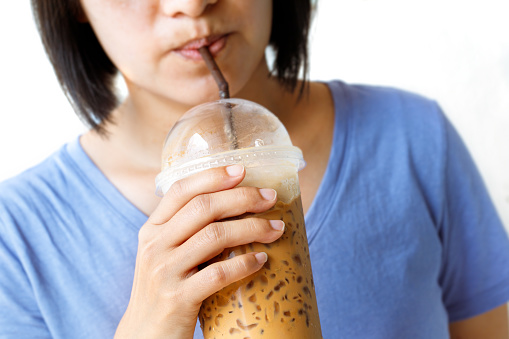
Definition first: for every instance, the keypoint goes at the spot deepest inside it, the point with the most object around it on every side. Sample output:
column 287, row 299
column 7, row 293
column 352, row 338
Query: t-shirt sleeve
column 19, row 313
column 475, row 267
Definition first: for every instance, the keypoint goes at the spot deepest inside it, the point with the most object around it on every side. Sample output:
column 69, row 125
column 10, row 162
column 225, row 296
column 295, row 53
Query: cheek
column 128, row 59
column 254, row 37
column 256, row 32
column 123, row 34
column 258, row 20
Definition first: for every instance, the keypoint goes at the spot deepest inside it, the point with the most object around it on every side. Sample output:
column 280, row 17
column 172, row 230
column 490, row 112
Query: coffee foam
column 283, row 178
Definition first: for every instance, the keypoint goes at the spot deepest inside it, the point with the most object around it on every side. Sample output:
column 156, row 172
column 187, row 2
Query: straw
column 224, row 92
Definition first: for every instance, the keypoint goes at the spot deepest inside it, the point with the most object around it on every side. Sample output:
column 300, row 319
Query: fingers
column 208, row 208
column 183, row 191
column 213, row 239
column 221, row 274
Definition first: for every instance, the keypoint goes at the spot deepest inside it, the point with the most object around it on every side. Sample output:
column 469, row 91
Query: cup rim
column 250, row 157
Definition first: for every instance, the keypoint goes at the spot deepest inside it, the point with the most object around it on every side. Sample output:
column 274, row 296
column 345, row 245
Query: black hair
column 291, row 20
column 87, row 75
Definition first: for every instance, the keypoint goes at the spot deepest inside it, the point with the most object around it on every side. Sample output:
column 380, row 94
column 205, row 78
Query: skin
column 492, row 324
column 140, row 37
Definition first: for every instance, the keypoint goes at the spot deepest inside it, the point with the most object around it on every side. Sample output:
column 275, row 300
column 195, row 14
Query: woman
column 404, row 240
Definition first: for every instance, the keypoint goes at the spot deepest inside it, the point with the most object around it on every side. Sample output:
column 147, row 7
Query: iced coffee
column 278, row 301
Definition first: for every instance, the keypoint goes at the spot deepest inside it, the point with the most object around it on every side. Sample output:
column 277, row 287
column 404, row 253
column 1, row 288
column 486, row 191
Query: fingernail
column 235, row 170
column 268, row 193
column 261, row 257
column 278, row 225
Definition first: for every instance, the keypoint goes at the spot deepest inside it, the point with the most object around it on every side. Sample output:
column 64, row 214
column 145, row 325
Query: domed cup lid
column 221, row 133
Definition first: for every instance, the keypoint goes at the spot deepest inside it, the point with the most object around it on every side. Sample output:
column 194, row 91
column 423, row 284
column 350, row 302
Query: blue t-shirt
column 403, row 237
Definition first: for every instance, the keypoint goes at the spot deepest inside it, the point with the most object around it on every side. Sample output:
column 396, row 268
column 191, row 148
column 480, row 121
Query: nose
column 192, row 8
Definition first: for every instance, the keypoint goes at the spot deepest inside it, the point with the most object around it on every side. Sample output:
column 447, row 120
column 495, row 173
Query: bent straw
column 224, row 92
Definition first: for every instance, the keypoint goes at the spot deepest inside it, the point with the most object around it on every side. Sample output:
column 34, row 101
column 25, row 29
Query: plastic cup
column 279, row 300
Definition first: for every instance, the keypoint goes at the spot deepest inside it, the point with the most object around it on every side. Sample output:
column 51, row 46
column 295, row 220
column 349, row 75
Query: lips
column 215, row 44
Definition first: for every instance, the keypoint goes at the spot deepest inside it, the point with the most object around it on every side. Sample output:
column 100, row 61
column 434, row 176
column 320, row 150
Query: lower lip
column 194, row 54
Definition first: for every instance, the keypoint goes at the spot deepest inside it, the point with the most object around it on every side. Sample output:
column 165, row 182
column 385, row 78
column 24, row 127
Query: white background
column 456, row 52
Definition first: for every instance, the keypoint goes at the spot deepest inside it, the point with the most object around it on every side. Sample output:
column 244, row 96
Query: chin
column 195, row 98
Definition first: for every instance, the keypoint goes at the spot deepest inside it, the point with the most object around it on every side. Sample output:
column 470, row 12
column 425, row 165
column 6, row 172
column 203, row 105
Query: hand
column 185, row 231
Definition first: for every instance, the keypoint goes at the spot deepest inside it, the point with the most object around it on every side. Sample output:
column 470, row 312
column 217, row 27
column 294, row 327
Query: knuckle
column 254, row 225
column 215, row 232
column 247, row 196
column 144, row 235
column 175, row 299
column 218, row 275
column 158, row 272
column 147, row 253
column 202, row 204
column 150, row 249
column 245, row 193
column 162, row 274
column 179, row 187
column 245, row 265
column 147, row 245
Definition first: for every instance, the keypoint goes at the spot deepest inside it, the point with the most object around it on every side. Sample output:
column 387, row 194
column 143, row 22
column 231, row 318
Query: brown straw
column 224, row 92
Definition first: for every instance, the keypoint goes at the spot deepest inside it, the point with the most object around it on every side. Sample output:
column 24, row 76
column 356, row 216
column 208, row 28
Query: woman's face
column 154, row 43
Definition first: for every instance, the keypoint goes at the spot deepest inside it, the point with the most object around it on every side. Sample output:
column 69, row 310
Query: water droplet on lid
column 259, row 143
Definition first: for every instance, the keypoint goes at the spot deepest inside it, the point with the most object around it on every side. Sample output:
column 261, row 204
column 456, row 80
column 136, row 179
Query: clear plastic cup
column 279, row 300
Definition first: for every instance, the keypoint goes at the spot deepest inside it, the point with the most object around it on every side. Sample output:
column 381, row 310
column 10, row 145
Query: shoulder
column 396, row 138
column 37, row 177
column 384, row 104
column 35, row 192
column 383, row 119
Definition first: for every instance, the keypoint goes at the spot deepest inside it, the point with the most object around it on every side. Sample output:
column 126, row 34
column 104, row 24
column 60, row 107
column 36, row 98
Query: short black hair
column 87, row 75
column 291, row 20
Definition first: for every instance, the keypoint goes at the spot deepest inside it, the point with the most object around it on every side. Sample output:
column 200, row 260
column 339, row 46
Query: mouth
column 190, row 51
